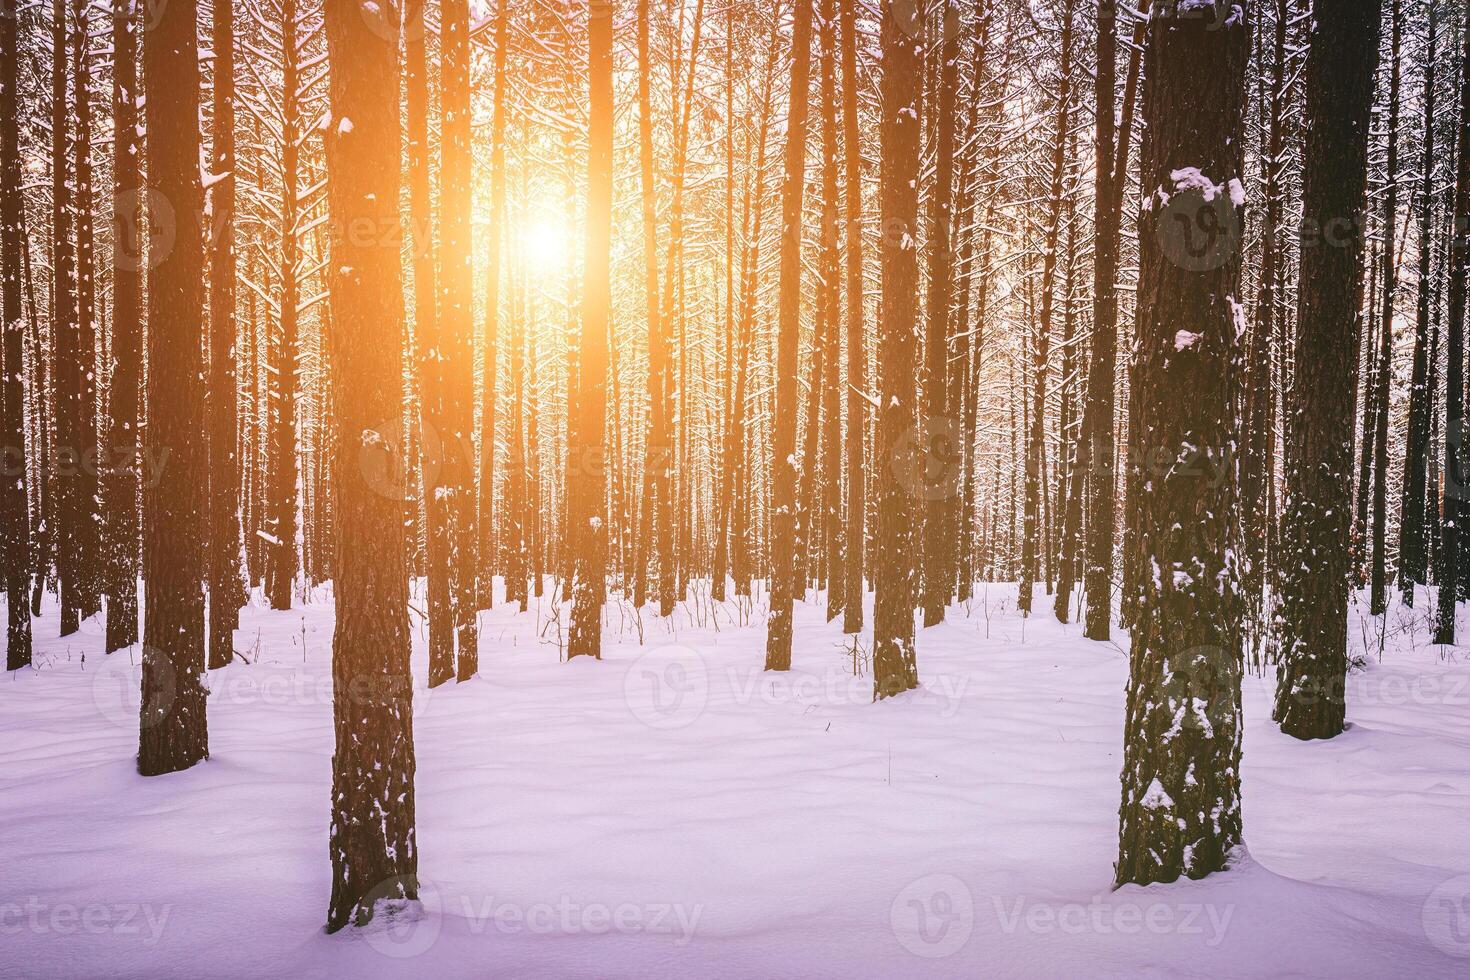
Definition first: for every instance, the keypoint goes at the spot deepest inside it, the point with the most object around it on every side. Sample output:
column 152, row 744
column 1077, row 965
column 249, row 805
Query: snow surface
column 675, row 811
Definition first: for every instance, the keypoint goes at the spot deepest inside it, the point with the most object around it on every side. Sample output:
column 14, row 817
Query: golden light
column 545, row 245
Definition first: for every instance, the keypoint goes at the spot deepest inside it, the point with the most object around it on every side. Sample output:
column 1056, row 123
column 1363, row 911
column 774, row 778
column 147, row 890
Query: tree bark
column 1315, row 531
column 588, row 532
column 225, row 593
column 784, row 476
column 1180, row 812
column 372, row 843
column 174, row 732
column 15, row 532
column 895, row 667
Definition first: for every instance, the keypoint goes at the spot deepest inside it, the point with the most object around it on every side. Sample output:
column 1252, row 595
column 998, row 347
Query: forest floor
column 673, row 810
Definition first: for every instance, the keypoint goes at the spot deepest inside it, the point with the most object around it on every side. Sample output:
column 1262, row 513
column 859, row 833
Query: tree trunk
column 784, row 476
column 454, row 496
column 1413, row 545
column 1319, row 455
column 941, row 449
column 66, row 340
column 1256, row 488
column 1451, row 563
column 174, row 732
column 830, row 318
column 490, row 353
column 1180, row 812
column 225, row 595
column 15, row 532
column 281, row 551
column 857, row 349
column 372, row 843
column 1032, row 531
column 895, row 668
column 587, row 515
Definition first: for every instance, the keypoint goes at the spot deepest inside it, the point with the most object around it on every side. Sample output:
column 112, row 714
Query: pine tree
column 372, row 843
column 225, row 594
column 1452, row 564
column 1413, row 543
column 1314, row 569
column 785, row 477
column 1180, row 812
column 454, row 497
column 941, row 452
column 895, row 667
column 857, row 354
column 174, row 731
column 15, row 532
column 588, row 532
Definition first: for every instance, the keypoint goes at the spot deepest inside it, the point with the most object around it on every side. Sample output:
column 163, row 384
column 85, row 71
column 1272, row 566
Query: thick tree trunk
column 784, row 476
column 1319, row 454
column 174, row 732
column 895, row 668
column 372, row 842
column 1180, row 812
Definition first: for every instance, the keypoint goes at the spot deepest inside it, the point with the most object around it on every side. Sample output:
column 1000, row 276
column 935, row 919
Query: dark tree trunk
column 174, row 731
column 372, row 842
column 85, row 470
column 784, row 476
column 1456, row 488
column 941, row 444
column 895, row 667
column 66, row 340
column 1413, row 544
column 1388, row 284
column 225, row 595
column 1180, row 812
column 15, row 532
column 454, row 497
column 1319, row 453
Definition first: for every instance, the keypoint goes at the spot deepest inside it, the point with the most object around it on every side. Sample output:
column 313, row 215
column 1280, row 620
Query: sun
column 544, row 244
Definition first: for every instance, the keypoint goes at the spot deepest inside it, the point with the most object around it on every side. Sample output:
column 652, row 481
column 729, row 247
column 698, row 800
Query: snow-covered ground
column 675, row 811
